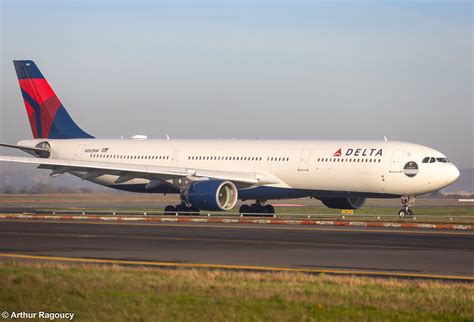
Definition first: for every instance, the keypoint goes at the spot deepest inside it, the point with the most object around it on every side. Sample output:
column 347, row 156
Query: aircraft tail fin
column 47, row 115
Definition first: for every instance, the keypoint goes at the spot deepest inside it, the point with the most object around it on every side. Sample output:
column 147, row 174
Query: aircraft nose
column 453, row 173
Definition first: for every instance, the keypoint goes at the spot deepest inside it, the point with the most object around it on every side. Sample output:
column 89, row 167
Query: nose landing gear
column 406, row 210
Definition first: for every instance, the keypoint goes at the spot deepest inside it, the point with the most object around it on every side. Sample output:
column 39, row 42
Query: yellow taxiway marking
column 236, row 267
column 389, row 230
column 202, row 239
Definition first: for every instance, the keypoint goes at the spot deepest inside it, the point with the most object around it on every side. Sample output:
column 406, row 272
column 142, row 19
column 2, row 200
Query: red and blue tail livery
column 47, row 115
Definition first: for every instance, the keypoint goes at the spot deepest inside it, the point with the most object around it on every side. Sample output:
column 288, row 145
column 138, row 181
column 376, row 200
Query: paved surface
column 362, row 249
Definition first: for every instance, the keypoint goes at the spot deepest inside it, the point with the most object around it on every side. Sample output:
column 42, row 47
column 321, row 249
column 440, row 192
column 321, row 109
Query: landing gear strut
column 406, row 210
column 259, row 207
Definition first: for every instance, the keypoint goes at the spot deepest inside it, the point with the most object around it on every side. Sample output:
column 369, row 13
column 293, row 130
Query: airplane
column 214, row 174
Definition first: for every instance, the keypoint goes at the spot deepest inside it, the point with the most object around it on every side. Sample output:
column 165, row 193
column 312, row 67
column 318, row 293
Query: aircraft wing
column 127, row 171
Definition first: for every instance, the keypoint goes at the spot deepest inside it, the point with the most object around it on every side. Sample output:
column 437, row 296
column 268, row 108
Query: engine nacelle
column 344, row 203
column 212, row 195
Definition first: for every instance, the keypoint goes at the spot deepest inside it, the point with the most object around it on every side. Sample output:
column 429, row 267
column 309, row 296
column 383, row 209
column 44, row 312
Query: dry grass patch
column 118, row 293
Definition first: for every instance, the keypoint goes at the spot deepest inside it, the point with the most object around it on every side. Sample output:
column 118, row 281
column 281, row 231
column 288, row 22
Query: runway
column 403, row 252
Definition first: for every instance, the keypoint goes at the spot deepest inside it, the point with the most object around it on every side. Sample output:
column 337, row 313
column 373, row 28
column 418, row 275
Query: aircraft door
column 396, row 162
column 303, row 164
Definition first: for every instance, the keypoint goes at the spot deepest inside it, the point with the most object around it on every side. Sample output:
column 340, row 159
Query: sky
column 249, row 69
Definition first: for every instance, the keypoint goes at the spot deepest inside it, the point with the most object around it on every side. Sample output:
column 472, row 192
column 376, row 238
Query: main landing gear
column 259, row 207
column 407, row 202
column 181, row 209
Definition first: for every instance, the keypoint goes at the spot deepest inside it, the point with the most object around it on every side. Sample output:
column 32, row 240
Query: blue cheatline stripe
column 37, row 108
column 26, row 69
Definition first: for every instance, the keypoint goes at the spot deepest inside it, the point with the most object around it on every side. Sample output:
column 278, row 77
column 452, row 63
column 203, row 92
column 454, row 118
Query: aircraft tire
column 268, row 209
column 245, row 209
column 170, row 210
column 257, row 209
column 402, row 213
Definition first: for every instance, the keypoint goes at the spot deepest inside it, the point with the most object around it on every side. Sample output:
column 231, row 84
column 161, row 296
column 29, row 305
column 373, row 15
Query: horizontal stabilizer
column 41, row 152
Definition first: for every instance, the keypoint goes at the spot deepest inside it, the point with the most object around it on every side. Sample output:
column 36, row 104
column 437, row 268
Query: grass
column 117, row 293
column 426, row 210
column 422, row 210
column 383, row 211
column 425, row 214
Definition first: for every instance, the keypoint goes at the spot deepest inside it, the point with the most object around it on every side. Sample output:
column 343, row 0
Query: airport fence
column 300, row 216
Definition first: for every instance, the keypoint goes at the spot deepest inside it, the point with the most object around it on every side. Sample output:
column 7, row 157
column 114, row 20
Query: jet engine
column 214, row 195
column 343, row 203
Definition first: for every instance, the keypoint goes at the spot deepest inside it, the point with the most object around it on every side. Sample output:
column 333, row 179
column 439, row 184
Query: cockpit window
column 433, row 160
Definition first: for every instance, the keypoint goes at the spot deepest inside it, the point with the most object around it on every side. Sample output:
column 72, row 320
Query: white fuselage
column 371, row 168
